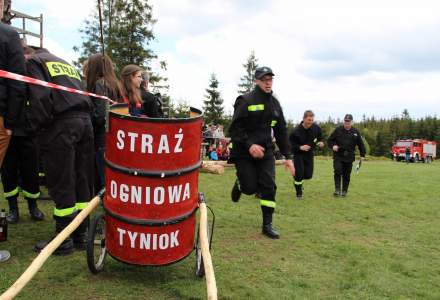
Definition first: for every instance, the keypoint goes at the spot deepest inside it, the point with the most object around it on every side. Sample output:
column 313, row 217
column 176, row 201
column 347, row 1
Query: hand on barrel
column 288, row 164
column 256, row 151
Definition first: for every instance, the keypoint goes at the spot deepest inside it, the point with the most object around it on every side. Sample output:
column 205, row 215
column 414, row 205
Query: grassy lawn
column 381, row 242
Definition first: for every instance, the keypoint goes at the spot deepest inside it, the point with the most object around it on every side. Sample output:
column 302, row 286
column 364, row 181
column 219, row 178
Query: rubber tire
column 95, row 267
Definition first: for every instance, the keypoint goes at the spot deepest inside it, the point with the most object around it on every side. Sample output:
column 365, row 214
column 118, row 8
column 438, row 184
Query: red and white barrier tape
column 31, row 80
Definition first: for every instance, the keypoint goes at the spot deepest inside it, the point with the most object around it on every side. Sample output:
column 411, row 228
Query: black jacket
column 45, row 104
column 100, row 107
column 302, row 136
column 150, row 105
column 12, row 92
column 347, row 140
column 256, row 115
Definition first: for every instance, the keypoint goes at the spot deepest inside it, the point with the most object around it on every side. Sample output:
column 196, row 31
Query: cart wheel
column 96, row 251
column 200, row 267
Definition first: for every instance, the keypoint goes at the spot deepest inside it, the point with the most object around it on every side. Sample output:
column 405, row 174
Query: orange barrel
column 152, row 169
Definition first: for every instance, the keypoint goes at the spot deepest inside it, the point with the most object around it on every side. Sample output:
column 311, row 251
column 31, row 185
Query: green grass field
column 381, row 242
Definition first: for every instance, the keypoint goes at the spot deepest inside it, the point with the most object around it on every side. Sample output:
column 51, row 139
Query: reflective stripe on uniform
column 30, row 195
column 256, row 107
column 56, row 68
column 268, row 203
column 81, row 205
column 298, row 182
column 12, row 193
column 41, row 174
column 231, row 145
column 64, row 211
column 273, row 123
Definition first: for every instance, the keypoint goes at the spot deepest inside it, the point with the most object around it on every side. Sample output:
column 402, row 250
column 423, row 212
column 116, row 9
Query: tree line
column 378, row 134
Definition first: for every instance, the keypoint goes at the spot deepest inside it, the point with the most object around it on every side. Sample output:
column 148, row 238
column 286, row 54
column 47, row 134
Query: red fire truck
column 420, row 150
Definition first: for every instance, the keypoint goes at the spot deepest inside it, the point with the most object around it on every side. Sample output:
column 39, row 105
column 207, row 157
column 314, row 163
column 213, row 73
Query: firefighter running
column 303, row 140
column 343, row 141
column 66, row 142
column 258, row 118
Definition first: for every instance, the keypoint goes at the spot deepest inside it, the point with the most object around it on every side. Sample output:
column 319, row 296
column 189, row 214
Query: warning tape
column 18, row 77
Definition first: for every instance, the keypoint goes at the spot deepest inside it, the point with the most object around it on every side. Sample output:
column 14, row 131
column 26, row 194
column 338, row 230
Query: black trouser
column 342, row 169
column 257, row 176
column 303, row 168
column 20, row 167
column 69, row 162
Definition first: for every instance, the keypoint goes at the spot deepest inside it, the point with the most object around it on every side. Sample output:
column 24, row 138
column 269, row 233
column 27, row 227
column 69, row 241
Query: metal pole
column 24, row 29
column 41, row 30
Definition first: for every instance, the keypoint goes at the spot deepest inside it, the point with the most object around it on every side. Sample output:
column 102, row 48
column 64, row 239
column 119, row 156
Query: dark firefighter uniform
column 66, row 139
column 343, row 159
column 303, row 160
column 257, row 117
column 21, row 166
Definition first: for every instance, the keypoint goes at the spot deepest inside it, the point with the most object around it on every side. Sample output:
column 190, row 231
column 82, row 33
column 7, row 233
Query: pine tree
column 381, row 147
column 127, row 27
column 247, row 81
column 213, row 104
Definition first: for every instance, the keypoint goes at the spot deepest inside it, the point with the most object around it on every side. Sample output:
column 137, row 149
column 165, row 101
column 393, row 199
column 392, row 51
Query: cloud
column 372, row 57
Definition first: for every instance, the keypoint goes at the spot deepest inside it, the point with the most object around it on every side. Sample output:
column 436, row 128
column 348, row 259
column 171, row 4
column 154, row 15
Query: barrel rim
column 150, row 222
column 158, row 174
column 154, row 120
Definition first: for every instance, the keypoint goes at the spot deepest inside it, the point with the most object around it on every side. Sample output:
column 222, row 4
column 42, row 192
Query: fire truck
column 420, row 150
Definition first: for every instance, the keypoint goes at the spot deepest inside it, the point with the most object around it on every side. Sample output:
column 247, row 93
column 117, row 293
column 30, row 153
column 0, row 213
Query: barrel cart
column 151, row 198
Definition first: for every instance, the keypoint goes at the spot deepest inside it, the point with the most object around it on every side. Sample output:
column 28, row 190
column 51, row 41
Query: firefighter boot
column 268, row 230
column 345, row 184
column 13, row 215
column 299, row 191
column 236, row 192
column 66, row 246
column 337, row 192
column 35, row 213
column 80, row 235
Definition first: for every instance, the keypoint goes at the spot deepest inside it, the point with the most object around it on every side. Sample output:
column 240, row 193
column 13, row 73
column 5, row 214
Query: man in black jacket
column 66, row 140
column 258, row 118
column 343, row 141
column 21, row 166
column 12, row 92
column 303, row 140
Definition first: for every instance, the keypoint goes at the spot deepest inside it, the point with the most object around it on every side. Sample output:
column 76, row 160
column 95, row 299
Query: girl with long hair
column 101, row 79
column 141, row 103
column 131, row 77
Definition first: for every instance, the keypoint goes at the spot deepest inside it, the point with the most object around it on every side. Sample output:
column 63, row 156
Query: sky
column 335, row 57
